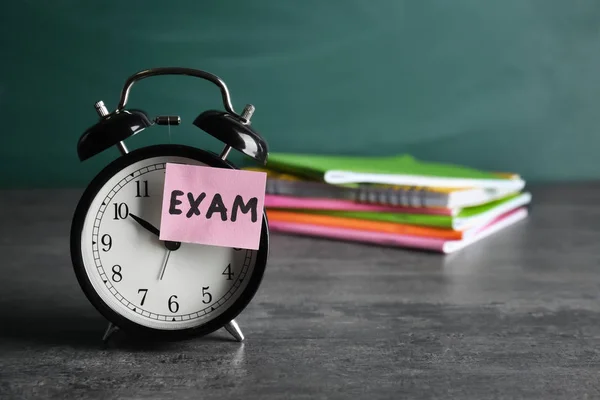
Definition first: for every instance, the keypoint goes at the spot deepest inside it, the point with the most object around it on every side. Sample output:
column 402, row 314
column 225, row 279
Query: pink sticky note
column 213, row 206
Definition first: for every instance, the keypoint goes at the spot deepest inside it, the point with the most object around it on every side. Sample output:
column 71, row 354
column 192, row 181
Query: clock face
column 144, row 280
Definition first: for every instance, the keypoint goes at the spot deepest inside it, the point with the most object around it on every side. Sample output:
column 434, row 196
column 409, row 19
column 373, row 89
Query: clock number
column 173, row 304
column 106, row 241
column 205, row 293
column 144, row 297
column 141, row 189
column 228, row 272
column 121, row 211
column 117, row 277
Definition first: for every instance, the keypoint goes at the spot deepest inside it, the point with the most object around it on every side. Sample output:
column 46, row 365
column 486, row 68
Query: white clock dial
column 124, row 261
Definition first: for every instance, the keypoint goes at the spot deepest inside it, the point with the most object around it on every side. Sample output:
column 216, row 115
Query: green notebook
column 402, row 170
column 468, row 217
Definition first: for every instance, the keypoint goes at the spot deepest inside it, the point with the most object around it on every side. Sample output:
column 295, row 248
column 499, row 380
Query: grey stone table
column 515, row 316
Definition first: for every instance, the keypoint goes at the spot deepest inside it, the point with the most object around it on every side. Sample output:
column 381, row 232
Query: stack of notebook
column 393, row 201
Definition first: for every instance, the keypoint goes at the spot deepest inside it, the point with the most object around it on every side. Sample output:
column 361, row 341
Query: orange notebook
column 361, row 224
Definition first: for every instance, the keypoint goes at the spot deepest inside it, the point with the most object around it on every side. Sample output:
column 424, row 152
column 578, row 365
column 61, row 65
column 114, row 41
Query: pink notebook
column 389, row 239
column 278, row 201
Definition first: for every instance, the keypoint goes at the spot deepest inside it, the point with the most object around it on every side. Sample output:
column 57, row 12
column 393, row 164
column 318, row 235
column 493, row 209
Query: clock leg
column 234, row 329
column 109, row 331
column 122, row 148
column 225, row 152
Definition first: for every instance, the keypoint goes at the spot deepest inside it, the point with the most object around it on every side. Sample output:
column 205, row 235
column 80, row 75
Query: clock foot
column 225, row 152
column 109, row 331
column 234, row 329
column 122, row 148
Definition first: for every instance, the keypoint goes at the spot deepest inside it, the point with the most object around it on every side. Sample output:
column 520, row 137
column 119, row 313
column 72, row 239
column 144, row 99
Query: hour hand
column 145, row 224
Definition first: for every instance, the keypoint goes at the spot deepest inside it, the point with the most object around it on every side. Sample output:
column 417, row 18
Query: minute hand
column 145, row 224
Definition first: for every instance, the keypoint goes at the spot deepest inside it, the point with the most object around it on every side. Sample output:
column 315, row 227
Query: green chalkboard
column 504, row 85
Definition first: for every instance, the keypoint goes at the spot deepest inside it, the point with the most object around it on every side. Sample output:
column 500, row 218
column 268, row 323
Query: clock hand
column 148, row 226
column 145, row 224
column 164, row 267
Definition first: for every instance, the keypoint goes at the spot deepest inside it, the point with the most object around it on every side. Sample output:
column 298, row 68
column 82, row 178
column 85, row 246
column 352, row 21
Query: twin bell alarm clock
column 170, row 241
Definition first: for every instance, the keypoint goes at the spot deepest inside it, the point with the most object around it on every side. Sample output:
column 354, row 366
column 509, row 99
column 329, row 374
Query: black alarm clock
column 118, row 258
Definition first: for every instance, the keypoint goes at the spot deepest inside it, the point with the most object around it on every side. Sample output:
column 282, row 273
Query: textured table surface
column 515, row 316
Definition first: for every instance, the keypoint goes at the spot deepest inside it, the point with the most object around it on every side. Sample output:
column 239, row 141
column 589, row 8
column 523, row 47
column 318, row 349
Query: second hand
column 164, row 267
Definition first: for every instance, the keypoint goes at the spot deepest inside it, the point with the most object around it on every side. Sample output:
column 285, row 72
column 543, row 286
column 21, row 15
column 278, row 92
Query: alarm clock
column 139, row 283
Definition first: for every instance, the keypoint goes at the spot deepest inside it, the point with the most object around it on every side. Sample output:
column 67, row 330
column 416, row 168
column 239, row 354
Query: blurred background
column 505, row 85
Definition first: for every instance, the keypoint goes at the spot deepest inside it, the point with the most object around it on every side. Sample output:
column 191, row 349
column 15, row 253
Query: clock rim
column 78, row 220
